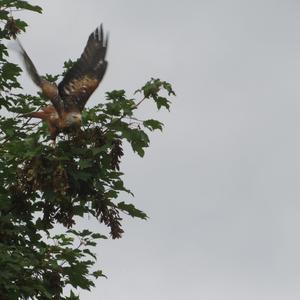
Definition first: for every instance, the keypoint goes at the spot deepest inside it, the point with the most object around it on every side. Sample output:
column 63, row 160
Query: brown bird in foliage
column 80, row 81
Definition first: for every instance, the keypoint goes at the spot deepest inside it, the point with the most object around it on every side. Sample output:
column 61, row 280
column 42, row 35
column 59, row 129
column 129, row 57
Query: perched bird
column 80, row 81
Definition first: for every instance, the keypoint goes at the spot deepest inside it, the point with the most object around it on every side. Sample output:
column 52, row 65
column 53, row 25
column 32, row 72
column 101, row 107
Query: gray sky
column 221, row 184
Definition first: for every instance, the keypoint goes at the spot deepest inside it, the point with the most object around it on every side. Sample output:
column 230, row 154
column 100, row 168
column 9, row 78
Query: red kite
column 70, row 96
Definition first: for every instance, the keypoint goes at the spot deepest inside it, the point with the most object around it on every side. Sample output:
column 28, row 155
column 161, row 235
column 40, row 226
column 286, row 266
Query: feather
column 49, row 89
column 84, row 77
column 36, row 78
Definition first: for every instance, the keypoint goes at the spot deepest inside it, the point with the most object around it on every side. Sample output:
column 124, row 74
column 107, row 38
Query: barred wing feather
column 84, row 77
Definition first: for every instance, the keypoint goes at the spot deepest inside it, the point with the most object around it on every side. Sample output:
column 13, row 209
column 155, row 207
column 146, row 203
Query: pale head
column 73, row 119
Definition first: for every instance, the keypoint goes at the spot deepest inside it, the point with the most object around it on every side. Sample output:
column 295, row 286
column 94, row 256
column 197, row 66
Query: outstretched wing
column 30, row 68
column 84, row 77
column 49, row 90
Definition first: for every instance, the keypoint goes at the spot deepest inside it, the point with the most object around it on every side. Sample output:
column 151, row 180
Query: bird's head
column 73, row 119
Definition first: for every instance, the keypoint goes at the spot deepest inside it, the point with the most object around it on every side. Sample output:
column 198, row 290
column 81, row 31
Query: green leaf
column 25, row 5
column 115, row 95
column 87, row 251
column 85, row 163
column 98, row 236
column 21, row 24
column 80, row 175
column 132, row 210
column 162, row 102
column 153, row 124
column 85, row 232
column 168, row 87
column 98, row 274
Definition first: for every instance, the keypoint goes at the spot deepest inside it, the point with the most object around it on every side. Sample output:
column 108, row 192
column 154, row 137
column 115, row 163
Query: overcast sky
column 221, row 184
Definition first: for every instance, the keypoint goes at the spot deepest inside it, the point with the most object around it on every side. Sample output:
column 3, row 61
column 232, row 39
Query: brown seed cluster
column 65, row 187
column 12, row 28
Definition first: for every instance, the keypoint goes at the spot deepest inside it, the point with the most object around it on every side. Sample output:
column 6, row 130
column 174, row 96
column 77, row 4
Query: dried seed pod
column 12, row 28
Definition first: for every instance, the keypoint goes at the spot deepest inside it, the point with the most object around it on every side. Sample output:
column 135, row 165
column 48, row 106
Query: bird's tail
column 29, row 65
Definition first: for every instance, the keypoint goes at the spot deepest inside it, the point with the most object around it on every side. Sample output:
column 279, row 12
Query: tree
column 43, row 186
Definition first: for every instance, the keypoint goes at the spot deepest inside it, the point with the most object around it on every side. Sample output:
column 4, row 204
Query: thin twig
column 124, row 115
column 139, row 103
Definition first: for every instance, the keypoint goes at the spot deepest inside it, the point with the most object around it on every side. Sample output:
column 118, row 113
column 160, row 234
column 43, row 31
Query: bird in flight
column 69, row 97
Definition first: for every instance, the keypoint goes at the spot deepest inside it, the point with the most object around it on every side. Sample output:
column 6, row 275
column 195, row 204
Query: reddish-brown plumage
column 49, row 90
column 49, row 115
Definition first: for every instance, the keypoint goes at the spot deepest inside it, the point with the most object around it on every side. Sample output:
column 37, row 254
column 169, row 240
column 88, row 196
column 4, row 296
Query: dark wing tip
column 106, row 40
column 99, row 35
column 33, row 73
column 101, row 32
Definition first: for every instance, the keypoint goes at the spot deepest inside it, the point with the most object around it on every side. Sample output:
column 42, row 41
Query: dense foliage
column 42, row 186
